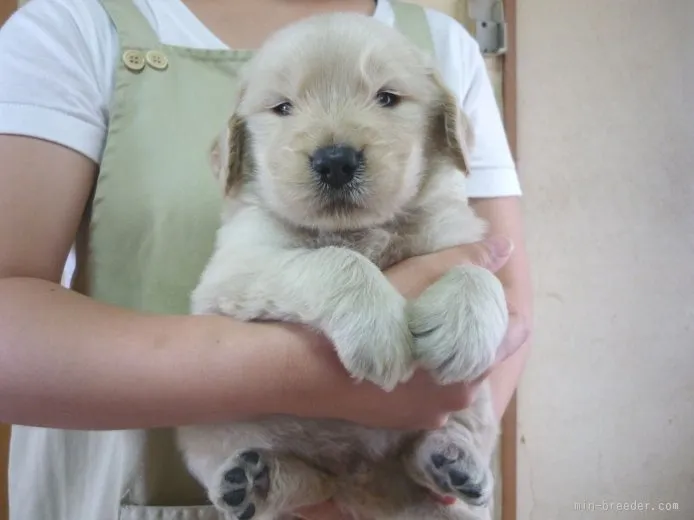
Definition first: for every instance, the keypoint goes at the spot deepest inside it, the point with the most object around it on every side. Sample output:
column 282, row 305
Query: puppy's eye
column 283, row 109
column 387, row 99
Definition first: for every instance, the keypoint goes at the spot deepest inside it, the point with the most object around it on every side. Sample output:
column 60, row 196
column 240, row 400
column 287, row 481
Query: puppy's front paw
column 458, row 324
column 243, row 485
column 373, row 339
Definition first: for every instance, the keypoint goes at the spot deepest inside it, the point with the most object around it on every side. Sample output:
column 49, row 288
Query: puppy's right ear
column 228, row 155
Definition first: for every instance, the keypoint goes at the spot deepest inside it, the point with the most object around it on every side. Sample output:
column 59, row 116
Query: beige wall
column 606, row 143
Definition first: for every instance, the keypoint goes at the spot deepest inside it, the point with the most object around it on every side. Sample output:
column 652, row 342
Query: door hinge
column 491, row 29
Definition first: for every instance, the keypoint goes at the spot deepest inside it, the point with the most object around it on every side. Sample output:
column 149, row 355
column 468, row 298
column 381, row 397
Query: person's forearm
column 505, row 377
column 505, row 218
column 67, row 361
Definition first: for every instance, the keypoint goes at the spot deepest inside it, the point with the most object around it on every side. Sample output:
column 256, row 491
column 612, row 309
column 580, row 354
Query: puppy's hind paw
column 459, row 474
column 452, row 468
column 243, row 486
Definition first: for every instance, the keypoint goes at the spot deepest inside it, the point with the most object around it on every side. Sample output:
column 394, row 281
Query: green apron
column 148, row 233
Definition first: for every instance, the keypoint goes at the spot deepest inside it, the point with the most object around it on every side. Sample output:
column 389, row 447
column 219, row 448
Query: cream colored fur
column 286, row 251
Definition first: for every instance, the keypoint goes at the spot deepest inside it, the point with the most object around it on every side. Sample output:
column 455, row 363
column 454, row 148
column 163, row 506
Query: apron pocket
column 131, row 512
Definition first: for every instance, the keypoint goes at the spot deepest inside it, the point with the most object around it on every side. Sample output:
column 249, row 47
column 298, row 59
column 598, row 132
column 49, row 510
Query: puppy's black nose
column 336, row 165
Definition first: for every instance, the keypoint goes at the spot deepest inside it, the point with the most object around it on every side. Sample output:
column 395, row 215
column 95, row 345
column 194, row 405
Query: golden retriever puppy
column 346, row 154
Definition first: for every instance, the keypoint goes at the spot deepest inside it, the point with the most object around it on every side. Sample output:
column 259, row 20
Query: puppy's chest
column 384, row 246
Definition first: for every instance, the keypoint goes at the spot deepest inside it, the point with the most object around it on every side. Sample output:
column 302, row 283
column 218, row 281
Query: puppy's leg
column 333, row 289
column 243, row 473
column 261, row 484
column 458, row 323
column 455, row 459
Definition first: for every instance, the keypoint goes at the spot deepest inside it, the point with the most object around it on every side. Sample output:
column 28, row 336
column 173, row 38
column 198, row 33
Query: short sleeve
column 492, row 169
column 52, row 85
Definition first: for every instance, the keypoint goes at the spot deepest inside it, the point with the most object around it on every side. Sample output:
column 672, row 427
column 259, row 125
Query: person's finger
column 517, row 334
column 491, row 253
column 495, row 251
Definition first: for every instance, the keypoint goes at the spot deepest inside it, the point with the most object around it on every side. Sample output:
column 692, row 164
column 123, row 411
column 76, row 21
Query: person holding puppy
column 96, row 377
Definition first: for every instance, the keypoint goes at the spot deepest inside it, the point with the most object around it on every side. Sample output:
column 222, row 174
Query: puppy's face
column 338, row 123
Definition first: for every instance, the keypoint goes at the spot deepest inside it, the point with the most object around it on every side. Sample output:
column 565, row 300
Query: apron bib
column 146, row 237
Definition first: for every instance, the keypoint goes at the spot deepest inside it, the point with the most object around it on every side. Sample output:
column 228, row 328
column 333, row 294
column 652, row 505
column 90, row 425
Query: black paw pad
column 247, row 513
column 474, row 492
column 452, row 472
column 236, row 476
column 235, row 498
column 439, row 460
column 245, row 485
column 458, row 478
column 251, row 457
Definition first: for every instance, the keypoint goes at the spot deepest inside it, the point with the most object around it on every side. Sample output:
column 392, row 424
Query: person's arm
column 504, row 215
column 68, row 361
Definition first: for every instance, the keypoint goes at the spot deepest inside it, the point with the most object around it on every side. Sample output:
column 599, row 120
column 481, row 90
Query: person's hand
column 413, row 276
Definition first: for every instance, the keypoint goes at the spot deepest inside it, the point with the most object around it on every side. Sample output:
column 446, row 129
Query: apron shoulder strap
column 411, row 20
column 134, row 31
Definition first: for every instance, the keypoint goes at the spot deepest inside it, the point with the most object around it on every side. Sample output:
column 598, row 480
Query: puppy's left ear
column 452, row 131
column 227, row 155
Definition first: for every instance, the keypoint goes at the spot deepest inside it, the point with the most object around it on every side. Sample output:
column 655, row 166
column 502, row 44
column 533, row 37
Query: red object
column 445, row 500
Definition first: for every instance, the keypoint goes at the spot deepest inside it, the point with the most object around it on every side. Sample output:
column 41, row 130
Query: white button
column 134, row 60
column 157, row 60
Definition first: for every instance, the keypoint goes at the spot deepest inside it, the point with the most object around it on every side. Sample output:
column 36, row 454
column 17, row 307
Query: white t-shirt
column 57, row 61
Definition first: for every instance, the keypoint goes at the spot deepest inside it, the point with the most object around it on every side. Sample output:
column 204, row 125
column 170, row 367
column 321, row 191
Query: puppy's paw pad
column 244, row 485
column 454, row 472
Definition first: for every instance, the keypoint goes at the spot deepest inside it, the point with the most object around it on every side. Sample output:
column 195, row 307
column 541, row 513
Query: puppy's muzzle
column 337, row 165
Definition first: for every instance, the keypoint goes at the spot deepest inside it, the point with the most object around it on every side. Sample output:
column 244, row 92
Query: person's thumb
column 493, row 252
